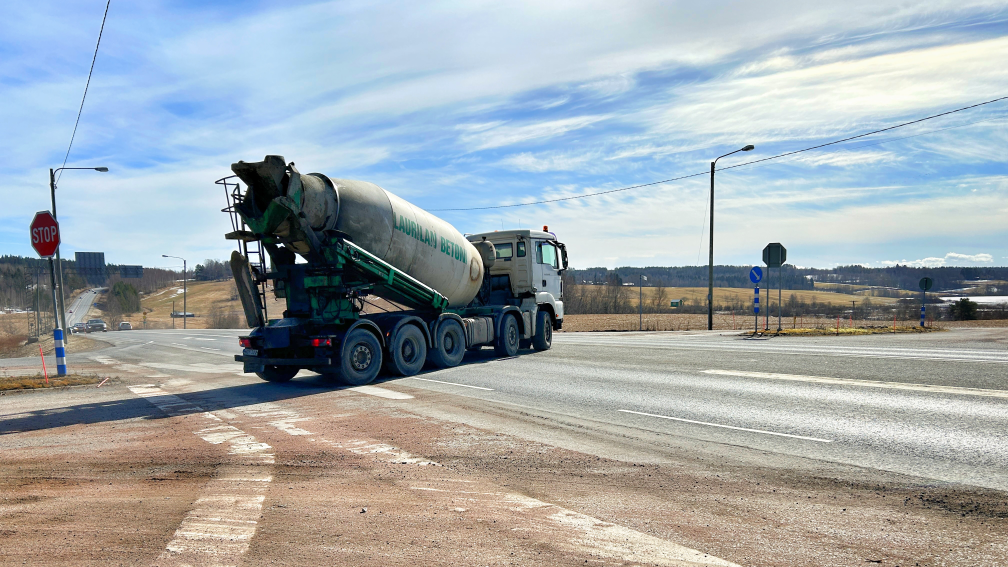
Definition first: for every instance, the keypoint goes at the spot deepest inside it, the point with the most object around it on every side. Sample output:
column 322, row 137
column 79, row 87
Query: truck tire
column 451, row 345
column 408, row 351
column 543, row 338
column 507, row 341
column 278, row 373
column 361, row 358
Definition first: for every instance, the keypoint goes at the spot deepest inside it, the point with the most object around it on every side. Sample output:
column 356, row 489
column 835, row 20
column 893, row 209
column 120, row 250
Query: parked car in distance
column 78, row 328
column 125, row 326
column 94, row 325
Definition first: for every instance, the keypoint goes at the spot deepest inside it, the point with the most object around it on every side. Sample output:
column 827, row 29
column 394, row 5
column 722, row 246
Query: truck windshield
column 503, row 251
column 547, row 254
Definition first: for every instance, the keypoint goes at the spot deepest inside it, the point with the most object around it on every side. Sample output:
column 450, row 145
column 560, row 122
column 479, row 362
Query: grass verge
column 39, row 382
column 844, row 331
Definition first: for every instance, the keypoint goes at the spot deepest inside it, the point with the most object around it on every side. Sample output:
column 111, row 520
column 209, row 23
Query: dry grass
column 983, row 323
column 727, row 295
column 14, row 346
column 39, row 381
column 210, row 302
column 725, row 322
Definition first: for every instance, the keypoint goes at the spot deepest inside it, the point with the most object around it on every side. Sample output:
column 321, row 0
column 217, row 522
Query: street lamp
column 52, row 191
column 185, row 310
column 710, row 266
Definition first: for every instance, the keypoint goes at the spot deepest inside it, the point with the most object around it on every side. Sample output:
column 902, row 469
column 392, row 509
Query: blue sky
column 474, row 104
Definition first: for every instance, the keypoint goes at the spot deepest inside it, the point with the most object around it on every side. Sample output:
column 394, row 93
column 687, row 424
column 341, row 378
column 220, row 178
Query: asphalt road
column 78, row 309
column 932, row 408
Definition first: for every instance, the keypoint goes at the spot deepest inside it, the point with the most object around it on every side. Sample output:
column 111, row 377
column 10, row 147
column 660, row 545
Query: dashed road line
column 453, row 384
column 864, row 383
column 590, row 535
column 223, row 520
column 381, row 392
column 709, row 424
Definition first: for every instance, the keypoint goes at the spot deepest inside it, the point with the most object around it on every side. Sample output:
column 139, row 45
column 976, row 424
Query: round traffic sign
column 926, row 283
column 755, row 274
column 44, row 231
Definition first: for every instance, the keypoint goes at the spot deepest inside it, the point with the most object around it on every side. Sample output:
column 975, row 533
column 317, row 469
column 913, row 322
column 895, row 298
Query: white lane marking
column 223, row 520
column 202, row 368
column 104, row 360
column 670, row 342
column 452, row 383
column 381, row 392
column 864, row 383
column 817, row 439
column 590, row 534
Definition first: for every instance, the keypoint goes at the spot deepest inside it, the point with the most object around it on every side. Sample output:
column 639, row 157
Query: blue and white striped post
column 922, row 315
column 756, row 308
column 60, row 351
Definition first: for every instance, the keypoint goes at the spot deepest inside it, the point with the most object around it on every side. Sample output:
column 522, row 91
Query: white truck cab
column 527, row 273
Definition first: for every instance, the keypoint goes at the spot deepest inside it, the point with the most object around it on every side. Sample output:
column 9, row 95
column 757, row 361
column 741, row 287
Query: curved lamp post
column 710, row 266
column 185, row 310
column 59, row 262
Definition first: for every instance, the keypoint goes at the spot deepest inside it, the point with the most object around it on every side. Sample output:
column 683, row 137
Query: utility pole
column 185, row 310
column 640, row 300
column 61, row 310
column 710, row 263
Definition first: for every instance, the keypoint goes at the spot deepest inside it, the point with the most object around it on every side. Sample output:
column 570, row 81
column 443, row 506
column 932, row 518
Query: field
column 14, row 332
column 727, row 295
column 726, row 322
column 203, row 299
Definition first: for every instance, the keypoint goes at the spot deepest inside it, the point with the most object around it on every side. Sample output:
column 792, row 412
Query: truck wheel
column 450, row 345
column 361, row 358
column 278, row 373
column 408, row 351
column 543, row 331
column 507, row 342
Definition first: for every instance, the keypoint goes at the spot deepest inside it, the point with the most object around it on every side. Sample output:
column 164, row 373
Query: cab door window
column 546, row 253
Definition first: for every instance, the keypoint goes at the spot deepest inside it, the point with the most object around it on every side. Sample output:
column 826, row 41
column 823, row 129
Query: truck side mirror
column 563, row 255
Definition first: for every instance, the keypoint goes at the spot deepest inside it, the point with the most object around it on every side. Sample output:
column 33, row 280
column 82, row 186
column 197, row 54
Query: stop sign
column 45, row 236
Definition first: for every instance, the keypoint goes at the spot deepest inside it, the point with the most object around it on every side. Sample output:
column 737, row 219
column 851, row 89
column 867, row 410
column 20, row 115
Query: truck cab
column 526, row 272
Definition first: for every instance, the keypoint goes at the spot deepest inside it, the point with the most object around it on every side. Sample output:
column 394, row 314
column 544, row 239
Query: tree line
column 790, row 277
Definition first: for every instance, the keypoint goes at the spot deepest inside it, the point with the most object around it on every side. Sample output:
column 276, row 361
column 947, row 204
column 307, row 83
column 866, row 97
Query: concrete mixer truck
column 331, row 246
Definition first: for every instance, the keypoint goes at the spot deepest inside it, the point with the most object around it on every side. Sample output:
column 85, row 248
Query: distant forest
column 19, row 275
column 896, row 277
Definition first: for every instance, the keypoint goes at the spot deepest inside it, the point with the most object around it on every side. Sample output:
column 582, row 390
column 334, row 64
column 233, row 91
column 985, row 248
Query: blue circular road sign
column 756, row 274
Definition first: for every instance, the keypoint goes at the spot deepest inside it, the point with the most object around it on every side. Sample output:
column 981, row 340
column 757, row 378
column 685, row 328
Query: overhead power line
column 88, row 84
column 778, row 156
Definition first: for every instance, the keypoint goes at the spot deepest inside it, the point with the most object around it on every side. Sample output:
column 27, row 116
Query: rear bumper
column 302, row 362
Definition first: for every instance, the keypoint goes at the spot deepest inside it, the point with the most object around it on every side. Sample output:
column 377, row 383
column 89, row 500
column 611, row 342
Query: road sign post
column 774, row 256
column 45, row 239
column 925, row 285
column 755, row 275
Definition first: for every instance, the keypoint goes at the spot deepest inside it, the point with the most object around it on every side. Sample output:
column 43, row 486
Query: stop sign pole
column 45, row 239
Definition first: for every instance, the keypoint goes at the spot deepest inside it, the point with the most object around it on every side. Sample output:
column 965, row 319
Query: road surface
column 659, row 448
column 78, row 310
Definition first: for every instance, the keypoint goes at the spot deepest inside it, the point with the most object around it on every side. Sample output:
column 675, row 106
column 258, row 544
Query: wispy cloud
column 950, row 259
column 497, row 136
column 454, row 105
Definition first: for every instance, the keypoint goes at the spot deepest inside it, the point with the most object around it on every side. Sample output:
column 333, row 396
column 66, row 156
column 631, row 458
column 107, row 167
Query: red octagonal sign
column 45, row 237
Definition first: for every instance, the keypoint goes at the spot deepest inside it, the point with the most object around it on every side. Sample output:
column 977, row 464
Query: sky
column 456, row 105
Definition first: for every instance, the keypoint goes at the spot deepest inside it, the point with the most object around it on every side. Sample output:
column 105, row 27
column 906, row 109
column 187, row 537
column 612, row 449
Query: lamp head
column 101, row 169
column 748, row 147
